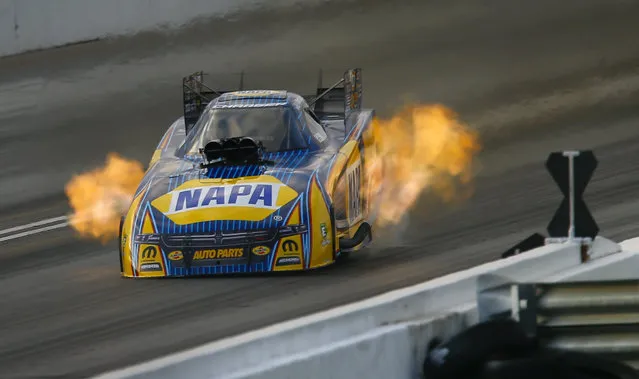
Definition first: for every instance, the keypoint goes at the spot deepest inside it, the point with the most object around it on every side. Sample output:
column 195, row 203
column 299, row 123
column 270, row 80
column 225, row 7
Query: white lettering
column 354, row 179
column 256, row 195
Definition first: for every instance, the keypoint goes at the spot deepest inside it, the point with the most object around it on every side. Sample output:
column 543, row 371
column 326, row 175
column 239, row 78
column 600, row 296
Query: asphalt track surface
column 532, row 77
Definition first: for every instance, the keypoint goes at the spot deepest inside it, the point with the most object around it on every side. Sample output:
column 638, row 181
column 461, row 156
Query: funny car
column 250, row 181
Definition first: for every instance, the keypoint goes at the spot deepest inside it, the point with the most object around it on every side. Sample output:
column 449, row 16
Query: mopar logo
column 149, row 252
column 290, row 245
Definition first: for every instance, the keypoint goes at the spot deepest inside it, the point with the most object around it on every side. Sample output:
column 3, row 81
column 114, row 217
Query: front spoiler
column 220, row 270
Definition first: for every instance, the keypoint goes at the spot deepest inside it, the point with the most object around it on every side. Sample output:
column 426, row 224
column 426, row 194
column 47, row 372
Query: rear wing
column 339, row 100
column 196, row 96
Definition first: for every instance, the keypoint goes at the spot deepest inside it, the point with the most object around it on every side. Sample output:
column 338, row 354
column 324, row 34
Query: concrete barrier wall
column 389, row 351
column 27, row 25
column 279, row 350
column 400, row 348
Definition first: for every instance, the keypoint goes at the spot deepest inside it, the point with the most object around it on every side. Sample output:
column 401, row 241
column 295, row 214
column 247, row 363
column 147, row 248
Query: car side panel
column 348, row 178
column 322, row 230
column 354, row 174
column 126, row 239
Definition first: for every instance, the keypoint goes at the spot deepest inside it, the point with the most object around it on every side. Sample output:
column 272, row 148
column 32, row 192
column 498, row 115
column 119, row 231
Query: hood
column 183, row 199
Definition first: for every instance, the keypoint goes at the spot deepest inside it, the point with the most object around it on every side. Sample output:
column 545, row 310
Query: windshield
column 273, row 126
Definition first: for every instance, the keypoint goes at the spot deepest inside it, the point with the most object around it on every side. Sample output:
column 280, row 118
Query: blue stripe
column 307, row 220
column 136, row 247
column 323, row 192
column 299, row 159
column 286, row 163
column 280, row 176
column 219, row 270
column 155, row 227
column 272, row 255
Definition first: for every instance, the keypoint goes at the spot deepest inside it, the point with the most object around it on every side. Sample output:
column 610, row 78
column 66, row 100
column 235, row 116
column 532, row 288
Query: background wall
column 37, row 24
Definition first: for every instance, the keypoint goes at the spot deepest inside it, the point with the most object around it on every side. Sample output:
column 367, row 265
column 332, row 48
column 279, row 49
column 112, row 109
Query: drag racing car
column 250, row 181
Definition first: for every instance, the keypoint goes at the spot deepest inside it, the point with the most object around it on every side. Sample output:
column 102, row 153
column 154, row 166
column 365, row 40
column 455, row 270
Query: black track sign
column 584, row 166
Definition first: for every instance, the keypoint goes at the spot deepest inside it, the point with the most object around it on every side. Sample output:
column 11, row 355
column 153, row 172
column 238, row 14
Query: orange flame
column 100, row 197
column 422, row 148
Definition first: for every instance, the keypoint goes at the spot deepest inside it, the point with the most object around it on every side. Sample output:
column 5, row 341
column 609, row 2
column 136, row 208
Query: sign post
column 572, row 170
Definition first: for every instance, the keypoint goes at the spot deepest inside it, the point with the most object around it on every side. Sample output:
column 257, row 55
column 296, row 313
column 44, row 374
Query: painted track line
column 10, row 233
column 33, row 224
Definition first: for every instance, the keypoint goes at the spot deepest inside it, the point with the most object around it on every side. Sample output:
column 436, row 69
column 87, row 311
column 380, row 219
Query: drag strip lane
column 80, row 302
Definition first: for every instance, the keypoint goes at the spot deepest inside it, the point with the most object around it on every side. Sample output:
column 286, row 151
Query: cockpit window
column 275, row 127
column 314, row 126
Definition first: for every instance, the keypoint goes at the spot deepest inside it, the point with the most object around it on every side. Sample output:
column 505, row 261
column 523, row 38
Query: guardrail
column 386, row 336
column 598, row 317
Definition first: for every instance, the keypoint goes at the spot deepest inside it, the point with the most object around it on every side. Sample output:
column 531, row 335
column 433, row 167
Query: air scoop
column 232, row 151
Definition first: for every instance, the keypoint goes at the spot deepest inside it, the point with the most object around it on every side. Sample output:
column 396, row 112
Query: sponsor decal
column 261, row 250
column 354, row 200
column 231, row 253
column 277, row 218
column 150, row 267
column 149, row 253
column 353, row 90
column 288, row 261
column 176, row 255
column 255, row 195
column 246, row 199
column 324, row 230
column 290, row 246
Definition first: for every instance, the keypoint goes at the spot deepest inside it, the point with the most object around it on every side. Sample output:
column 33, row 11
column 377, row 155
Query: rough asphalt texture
column 532, row 77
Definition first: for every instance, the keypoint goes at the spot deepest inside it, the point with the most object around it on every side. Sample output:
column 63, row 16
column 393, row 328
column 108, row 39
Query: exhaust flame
column 100, row 197
column 422, row 149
